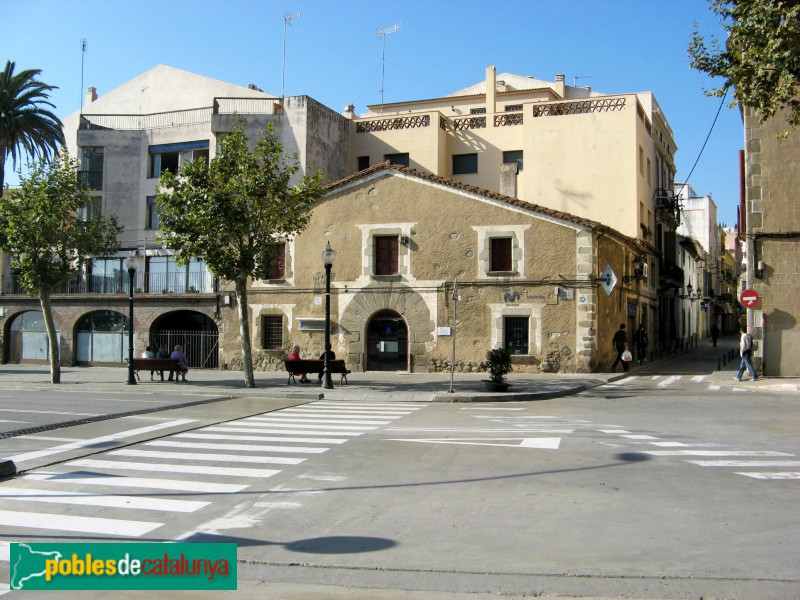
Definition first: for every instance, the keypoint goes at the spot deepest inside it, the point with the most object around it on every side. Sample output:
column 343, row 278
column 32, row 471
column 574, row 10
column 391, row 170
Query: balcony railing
column 393, row 123
column 143, row 283
column 92, row 180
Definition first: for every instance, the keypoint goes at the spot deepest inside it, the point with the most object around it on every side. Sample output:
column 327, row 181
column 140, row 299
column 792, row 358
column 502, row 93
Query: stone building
column 528, row 279
column 770, row 224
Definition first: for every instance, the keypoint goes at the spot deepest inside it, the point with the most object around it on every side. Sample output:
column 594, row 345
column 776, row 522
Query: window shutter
column 386, row 248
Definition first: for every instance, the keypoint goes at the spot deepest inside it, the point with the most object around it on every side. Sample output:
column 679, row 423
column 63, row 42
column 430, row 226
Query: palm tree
column 26, row 125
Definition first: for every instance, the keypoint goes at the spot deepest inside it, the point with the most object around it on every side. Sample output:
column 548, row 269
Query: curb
column 7, row 468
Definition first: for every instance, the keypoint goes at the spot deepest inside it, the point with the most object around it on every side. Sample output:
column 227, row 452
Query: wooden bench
column 156, row 364
column 316, row 366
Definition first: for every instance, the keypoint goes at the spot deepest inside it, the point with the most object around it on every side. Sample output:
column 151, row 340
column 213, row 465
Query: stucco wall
column 443, row 245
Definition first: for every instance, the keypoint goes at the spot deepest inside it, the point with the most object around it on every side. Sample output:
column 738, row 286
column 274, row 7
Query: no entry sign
column 749, row 298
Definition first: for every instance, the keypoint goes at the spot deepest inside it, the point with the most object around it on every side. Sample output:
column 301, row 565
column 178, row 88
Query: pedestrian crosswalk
column 668, row 382
column 131, row 492
column 721, row 456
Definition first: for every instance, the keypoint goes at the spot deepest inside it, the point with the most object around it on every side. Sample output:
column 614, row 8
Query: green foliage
column 25, row 122
column 498, row 363
column 41, row 231
column 228, row 212
column 760, row 59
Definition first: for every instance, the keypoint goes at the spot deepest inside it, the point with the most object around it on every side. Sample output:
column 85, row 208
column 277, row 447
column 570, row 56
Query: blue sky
column 334, row 56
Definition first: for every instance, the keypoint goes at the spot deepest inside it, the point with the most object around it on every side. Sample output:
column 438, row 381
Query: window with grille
column 271, row 332
column 500, row 254
column 276, row 268
column 386, row 247
column 477, row 111
column 516, row 334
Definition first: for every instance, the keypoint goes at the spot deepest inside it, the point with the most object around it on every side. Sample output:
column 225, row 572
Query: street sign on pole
column 608, row 279
column 749, row 298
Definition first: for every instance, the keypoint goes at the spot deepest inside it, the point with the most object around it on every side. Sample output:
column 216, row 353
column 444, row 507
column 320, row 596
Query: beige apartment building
column 606, row 158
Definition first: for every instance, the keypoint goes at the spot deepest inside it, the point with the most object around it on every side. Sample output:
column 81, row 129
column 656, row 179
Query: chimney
column 91, row 95
column 350, row 111
column 508, row 179
column 561, row 88
column 491, row 90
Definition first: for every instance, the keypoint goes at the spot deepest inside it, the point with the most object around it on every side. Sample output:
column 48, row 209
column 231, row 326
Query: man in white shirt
column 746, row 351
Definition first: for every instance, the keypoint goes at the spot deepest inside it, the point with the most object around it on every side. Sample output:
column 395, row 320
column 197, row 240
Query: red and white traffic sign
column 749, row 298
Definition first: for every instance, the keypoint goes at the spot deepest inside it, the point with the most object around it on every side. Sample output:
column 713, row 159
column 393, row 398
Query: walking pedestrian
column 620, row 343
column 746, row 351
column 714, row 334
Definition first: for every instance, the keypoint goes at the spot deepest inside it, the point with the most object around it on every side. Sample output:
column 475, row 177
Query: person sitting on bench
column 183, row 364
column 295, row 355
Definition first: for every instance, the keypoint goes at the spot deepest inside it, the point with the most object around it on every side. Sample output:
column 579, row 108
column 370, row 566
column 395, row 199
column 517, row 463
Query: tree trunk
column 52, row 336
column 244, row 333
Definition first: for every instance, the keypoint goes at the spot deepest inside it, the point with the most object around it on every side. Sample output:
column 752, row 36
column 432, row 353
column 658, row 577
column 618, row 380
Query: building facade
column 123, row 141
column 770, row 224
column 528, row 280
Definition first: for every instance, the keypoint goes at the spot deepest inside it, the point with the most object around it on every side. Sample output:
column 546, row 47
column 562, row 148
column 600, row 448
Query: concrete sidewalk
column 393, row 386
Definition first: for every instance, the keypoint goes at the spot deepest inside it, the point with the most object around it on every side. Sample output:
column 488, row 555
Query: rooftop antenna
column 83, row 53
column 287, row 22
column 575, row 79
column 381, row 33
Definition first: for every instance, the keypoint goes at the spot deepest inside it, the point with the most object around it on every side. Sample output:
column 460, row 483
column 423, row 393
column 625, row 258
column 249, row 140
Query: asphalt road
column 655, row 486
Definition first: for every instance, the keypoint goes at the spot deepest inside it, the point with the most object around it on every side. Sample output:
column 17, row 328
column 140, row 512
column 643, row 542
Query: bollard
column 718, row 364
column 724, row 359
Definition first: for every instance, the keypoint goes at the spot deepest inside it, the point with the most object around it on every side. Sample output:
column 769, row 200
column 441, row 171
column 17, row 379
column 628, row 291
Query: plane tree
column 43, row 231
column 760, row 59
column 231, row 211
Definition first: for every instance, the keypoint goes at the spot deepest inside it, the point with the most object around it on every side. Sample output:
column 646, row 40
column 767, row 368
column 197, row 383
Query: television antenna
column 83, row 54
column 382, row 33
column 287, row 22
column 576, row 77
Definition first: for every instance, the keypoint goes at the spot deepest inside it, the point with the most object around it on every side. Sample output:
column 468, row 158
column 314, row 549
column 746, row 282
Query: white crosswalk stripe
column 182, row 462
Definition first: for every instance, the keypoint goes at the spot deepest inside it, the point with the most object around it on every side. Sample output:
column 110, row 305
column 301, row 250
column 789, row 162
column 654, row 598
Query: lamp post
column 327, row 259
column 130, row 263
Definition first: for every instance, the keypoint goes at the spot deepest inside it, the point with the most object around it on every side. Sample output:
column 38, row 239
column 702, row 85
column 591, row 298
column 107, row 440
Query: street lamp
column 328, row 255
column 130, row 263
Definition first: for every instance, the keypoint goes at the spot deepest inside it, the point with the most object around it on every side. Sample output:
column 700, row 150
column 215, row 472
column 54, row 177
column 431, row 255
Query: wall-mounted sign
column 565, row 293
column 443, row 331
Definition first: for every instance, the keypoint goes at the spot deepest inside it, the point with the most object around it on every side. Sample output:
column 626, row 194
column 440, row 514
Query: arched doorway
column 101, row 337
column 196, row 332
column 27, row 338
column 387, row 342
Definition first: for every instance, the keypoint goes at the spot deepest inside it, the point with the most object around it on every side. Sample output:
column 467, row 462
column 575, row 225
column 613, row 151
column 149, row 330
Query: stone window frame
column 288, row 267
column 484, row 254
column 368, row 235
column 285, row 311
column 531, row 310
